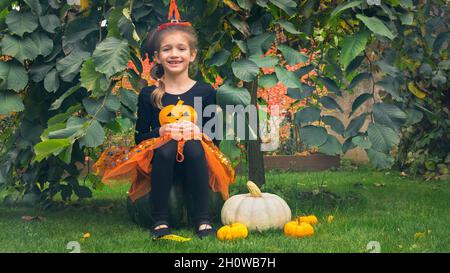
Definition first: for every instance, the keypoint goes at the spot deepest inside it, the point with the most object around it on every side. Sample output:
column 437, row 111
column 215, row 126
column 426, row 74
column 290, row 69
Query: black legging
column 195, row 172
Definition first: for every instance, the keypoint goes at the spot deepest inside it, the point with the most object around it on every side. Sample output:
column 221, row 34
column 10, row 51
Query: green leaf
column 356, row 63
column 95, row 135
column 344, row 6
column 382, row 137
column 287, row 5
column 10, row 102
column 38, row 71
column 362, row 141
column 113, row 20
column 353, row 46
column 21, row 22
column 329, row 103
column 35, row 6
column 92, row 80
column 66, row 154
column 440, row 40
column 376, row 26
column 51, row 146
column 299, row 94
column 288, row 78
column 288, row 26
column 57, row 103
column 21, row 49
column 129, row 99
column 69, row 66
column 390, row 86
column 230, row 95
column 112, row 102
column 83, row 192
column 220, row 58
column 355, row 125
column 308, row 114
column 62, row 117
column 292, row 56
column 51, row 81
column 359, row 101
column 81, row 27
column 358, row 78
column 267, row 61
column 127, row 28
column 242, row 26
column 245, row 70
column 111, row 56
column 331, row 147
column 414, row 116
column 313, row 135
column 43, row 43
column 407, row 18
column 13, row 76
column 97, row 110
column 348, row 145
column 55, row 4
column 389, row 115
column 335, row 124
column 387, row 68
column 267, row 81
column 259, row 44
column 379, row 160
column 49, row 22
column 5, row 3
column 242, row 46
column 330, row 85
column 70, row 131
column 262, row 3
column 245, row 4
column 304, row 70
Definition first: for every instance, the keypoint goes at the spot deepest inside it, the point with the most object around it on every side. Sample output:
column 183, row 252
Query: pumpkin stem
column 253, row 189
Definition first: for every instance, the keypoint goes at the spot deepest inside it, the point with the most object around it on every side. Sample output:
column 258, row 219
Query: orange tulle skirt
column 124, row 164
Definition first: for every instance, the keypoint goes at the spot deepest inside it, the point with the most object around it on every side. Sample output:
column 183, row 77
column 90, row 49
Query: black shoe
column 205, row 232
column 160, row 232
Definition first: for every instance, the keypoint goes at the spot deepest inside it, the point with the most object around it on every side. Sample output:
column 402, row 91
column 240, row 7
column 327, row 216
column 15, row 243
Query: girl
column 169, row 143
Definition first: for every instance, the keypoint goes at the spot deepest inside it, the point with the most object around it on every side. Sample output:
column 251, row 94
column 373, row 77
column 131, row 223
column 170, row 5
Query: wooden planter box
column 312, row 162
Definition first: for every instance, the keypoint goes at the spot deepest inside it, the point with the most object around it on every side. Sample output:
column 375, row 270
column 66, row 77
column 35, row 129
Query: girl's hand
column 190, row 130
column 170, row 130
column 181, row 130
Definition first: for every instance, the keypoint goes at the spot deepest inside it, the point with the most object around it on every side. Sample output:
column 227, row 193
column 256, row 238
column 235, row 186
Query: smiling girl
column 169, row 142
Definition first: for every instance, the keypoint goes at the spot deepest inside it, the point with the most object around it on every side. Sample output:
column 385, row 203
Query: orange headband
column 174, row 17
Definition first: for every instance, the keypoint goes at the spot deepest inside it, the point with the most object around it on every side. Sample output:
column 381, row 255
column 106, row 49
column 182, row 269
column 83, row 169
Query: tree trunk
column 255, row 158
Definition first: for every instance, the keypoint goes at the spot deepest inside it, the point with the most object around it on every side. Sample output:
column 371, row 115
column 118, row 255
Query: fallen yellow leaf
column 176, row 238
column 416, row 91
column 419, row 235
column 330, row 219
column 85, row 236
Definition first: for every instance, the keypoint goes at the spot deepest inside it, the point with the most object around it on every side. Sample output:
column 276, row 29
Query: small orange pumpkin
column 232, row 232
column 179, row 112
column 310, row 219
column 298, row 229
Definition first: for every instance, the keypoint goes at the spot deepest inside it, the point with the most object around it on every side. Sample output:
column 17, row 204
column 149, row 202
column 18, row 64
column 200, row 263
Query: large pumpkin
column 258, row 211
column 180, row 206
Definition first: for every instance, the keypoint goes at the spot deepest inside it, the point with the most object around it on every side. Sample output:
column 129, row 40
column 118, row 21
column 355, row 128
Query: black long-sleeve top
column 147, row 124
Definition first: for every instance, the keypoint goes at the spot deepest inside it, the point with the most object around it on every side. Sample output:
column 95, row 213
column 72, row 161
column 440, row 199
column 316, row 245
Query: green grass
column 364, row 210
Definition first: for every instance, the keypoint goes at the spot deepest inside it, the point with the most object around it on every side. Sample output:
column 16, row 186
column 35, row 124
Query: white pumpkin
column 258, row 211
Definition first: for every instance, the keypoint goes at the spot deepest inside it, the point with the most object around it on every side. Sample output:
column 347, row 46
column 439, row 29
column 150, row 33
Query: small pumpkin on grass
column 232, row 232
column 310, row 219
column 298, row 229
column 257, row 210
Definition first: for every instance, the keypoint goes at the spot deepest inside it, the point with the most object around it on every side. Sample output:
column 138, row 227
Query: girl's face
column 175, row 53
